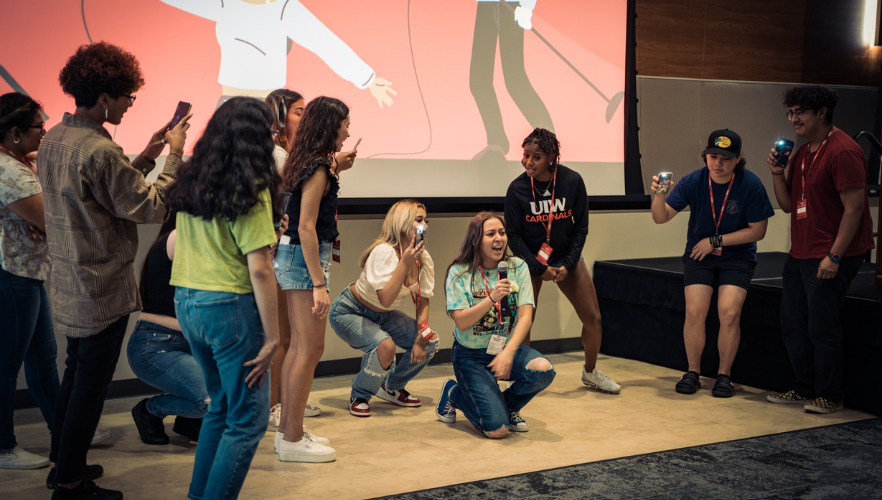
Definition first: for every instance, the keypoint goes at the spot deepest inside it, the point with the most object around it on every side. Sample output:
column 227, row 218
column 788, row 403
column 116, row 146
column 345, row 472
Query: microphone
column 502, row 273
column 502, row 270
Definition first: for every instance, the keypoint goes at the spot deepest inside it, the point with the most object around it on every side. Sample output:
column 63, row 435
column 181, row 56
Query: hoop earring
column 15, row 140
column 105, row 113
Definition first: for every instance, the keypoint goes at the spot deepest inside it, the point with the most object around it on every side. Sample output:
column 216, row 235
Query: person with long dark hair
column 730, row 211
column 93, row 199
column 27, row 336
column 394, row 267
column 226, row 198
column 546, row 214
column 160, row 355
column 301, row 266
column 492, row 315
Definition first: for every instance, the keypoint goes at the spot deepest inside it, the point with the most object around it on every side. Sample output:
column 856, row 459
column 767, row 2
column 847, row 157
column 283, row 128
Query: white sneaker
column 599, row 380
column 315, row 439
column 518, row 424
column 312, row 411
column 19, row 459
column 306, row 451
column 308, row 435
column 100, row 436
column 275, row 415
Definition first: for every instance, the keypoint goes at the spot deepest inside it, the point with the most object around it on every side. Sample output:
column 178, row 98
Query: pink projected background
column 180, row 57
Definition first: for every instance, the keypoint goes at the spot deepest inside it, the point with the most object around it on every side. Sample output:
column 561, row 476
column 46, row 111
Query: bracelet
column 782, row 173
column 316, row 285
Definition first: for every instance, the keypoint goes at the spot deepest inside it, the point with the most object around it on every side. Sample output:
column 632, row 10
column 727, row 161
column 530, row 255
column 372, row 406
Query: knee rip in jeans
column 372, row 373
column 202, row 406
column 498, row 434
column 539, row 365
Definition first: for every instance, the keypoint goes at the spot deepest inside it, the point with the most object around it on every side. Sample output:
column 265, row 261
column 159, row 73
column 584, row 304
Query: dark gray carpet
column 836, row 462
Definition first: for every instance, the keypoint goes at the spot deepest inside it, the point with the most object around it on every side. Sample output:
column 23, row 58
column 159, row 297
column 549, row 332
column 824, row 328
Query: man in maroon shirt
column 825, row 193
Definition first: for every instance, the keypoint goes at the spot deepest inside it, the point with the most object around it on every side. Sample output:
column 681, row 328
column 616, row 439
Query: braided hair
column 547, row 142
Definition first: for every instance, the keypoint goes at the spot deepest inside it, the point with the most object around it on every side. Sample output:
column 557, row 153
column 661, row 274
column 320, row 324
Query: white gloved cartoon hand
column 524, row 17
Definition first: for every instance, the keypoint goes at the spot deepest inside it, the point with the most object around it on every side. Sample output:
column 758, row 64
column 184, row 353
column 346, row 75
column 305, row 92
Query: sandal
column 723, row 388
column 689, row 384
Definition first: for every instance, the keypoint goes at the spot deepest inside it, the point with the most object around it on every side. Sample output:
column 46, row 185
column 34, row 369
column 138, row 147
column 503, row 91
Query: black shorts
column 714, row 273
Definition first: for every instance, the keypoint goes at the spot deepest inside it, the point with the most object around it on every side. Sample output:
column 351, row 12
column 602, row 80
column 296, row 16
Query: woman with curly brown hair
column 93, row 199
column 301, row 266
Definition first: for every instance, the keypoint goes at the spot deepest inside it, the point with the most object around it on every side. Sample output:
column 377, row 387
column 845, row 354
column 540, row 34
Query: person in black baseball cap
column 729, row 214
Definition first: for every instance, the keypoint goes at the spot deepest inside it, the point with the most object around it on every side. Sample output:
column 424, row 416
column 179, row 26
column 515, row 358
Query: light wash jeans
column 224, row 331
column 27, row 336
column 364, row 329
column 162, row 358
column 477, row 393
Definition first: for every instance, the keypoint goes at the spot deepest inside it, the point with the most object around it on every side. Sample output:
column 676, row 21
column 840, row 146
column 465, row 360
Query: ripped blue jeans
column 477, row 393
column 364, row 329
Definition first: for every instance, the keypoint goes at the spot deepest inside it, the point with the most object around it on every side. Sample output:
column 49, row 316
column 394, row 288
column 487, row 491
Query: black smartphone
column 783, row 147
column 286, row 198
column 182, row 110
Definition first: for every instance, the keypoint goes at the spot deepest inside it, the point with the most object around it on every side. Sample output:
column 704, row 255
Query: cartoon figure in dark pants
column 494, row 21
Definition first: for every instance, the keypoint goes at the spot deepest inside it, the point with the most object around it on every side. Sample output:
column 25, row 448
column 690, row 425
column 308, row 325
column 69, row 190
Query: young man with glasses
column 825, row 193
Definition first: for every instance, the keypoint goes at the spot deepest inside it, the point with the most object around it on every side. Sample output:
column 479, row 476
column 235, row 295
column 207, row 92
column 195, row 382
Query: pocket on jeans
column 284, row 259
column 219, row 321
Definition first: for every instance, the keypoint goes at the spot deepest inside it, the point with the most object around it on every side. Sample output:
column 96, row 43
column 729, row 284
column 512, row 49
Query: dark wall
column 814, row 41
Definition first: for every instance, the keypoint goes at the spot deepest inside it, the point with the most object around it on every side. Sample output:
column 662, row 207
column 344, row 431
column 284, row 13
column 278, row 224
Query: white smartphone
column 358, row 141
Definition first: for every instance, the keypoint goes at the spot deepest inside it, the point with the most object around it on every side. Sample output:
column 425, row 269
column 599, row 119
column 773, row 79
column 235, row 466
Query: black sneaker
column 87, row 490
column 150, row 427
column 188, row 427
column 90, row 472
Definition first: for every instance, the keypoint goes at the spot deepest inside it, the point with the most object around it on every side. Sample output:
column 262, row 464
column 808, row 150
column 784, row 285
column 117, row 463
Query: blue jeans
column 477, row 392
column 26, row 336
column 364, row 329
column 162, row 358
column 224, row 331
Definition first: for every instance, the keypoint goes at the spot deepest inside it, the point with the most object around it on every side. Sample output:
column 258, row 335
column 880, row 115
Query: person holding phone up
column 729, row 214
column 490, row 299
column 394, row 267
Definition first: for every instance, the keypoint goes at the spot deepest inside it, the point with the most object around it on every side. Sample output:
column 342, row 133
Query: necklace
column 542, row 193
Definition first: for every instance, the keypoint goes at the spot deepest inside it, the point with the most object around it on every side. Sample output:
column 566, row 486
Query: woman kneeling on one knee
column 364, row 315
column 490, row 298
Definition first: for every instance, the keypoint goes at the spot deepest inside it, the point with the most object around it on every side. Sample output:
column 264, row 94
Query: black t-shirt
column 526, row 217
column 325, row 225
column 157, row 296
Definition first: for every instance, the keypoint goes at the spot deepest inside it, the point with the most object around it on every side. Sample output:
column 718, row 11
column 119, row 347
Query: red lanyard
column 550, row 207
column 817, row 154
column 497, row 304
column 710, row 189
column 22, row 160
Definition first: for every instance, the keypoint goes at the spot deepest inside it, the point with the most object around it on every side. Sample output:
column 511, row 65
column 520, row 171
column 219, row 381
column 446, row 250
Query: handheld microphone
column 502, row 270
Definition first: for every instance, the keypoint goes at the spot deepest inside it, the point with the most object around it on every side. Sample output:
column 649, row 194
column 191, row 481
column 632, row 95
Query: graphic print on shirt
column 542, row 208
column 490, row 323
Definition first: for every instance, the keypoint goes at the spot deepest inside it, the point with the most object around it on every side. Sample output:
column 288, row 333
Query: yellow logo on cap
column 723, row 142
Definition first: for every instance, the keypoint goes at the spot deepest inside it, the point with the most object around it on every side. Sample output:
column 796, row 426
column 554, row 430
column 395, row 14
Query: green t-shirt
column 210, row 254
column 465, row 289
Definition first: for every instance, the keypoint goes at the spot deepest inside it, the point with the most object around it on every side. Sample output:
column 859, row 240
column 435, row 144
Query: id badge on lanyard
column 497, row 341
column 545, row 250
column 335, row 247
column 710, row 188
column 802, row 204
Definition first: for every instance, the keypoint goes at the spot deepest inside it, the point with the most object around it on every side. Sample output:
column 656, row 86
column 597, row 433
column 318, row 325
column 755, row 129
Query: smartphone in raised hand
column 783, row 147
column 181, row 111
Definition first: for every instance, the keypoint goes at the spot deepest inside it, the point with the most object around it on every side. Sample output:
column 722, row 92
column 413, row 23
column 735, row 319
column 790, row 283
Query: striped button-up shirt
column 93, row 198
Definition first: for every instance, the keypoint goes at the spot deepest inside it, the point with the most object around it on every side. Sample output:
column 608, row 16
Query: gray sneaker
column 20, row 459
column 597, row 379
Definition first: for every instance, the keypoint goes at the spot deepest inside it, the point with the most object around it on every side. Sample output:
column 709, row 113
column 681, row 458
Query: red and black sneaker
column 360, row 408
column 400, row 398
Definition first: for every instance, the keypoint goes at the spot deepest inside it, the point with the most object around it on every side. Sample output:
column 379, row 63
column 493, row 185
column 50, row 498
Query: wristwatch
column 835, row 258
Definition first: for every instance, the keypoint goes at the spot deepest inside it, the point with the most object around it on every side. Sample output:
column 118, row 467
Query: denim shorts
column 290, row 267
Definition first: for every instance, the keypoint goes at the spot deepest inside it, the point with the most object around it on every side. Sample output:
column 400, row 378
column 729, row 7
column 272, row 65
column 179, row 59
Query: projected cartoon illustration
column 254, row 39
column 460, row 110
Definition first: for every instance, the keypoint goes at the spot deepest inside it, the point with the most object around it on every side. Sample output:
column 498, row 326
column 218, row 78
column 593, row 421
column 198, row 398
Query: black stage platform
column 643, row 310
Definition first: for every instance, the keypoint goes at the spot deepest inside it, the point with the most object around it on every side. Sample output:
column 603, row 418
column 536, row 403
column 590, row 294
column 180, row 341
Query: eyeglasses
column 131, row 99
column 798, row 113
column 41, row 126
